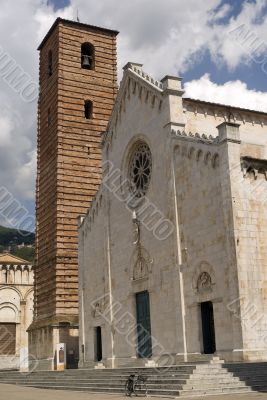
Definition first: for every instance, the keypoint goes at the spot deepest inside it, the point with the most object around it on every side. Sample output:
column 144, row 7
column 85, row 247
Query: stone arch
column 191, row 152
column 28, row 293
column 207, row 158
column 9, row 312
column 12, row 288
column 199, row 154
column 215, row 160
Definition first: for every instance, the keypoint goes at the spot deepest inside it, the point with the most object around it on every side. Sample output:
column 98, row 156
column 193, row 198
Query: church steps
column 181, row 380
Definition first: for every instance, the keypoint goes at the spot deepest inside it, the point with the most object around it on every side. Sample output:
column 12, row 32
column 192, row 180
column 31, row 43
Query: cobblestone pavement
column 13, row 392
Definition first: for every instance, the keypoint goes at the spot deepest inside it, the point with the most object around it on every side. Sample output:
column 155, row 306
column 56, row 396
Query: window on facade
column 87, row 56
column 50, row 63
column 140, row 168
column 88, row 109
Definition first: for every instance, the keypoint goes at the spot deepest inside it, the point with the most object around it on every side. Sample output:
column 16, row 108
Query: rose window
column 140, row 170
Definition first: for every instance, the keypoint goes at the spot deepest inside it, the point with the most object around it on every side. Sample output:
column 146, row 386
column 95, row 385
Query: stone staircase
column 187, row 379
column 253, row 374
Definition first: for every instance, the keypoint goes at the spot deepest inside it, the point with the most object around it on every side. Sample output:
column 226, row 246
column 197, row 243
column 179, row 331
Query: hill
column 18, row 243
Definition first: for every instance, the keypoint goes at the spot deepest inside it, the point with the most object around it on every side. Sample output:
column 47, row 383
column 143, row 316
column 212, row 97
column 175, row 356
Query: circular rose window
column 140, row 169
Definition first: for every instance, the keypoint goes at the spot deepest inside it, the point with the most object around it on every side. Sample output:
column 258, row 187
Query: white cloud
column 234, row 93
column 166, row 37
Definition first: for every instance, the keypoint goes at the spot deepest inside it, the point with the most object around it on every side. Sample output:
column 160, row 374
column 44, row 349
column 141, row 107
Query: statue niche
column 204, row 282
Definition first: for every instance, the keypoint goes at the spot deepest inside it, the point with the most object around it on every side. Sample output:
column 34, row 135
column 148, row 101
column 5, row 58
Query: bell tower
column 78, row 85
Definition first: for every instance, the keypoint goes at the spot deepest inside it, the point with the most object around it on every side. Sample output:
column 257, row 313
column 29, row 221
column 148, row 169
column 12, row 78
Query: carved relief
column 204, row 281
column 98, row 308
column 141, row 262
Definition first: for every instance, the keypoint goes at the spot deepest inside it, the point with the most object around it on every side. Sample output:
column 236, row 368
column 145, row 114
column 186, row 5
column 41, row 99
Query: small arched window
column 88, row 109
column 87, row 56
column 50, row 63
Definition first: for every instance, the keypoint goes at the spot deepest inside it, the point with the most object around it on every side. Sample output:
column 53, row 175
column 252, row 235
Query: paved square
column 13, row 392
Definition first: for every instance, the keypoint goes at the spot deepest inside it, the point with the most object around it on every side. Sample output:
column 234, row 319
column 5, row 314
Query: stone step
column 214, row 391
column 217, row 384
column 104, row 372
column 96, row 382
column 156, row 392
column 106, row 385
column 152, row 391
column 185, row 379
column 95, row 376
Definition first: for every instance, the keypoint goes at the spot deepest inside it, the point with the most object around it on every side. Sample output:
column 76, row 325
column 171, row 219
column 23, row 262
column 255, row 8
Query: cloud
column 167, row 37
column 233, row 93
column 21, row 28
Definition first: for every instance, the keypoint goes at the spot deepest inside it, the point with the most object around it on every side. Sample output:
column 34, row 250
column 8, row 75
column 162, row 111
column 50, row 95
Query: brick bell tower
column 78, row 85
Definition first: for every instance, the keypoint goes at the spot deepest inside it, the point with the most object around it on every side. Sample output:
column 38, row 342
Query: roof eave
column 81, row 24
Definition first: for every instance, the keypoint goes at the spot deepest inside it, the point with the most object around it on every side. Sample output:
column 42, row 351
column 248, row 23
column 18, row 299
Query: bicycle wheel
column 129, row 387
column 140, row 388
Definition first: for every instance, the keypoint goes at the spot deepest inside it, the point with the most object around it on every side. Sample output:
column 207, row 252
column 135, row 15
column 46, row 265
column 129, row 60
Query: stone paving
column 13, row 392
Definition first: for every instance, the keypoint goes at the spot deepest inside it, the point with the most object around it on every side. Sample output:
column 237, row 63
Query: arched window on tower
column 88, row 109
column 87, row 56
column 50, row 63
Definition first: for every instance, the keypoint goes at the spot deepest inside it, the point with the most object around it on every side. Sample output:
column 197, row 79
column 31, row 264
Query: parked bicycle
column 136, row 384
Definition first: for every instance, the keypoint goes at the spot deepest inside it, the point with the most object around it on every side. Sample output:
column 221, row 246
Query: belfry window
column 87, row 56
column 88, row 109
column 50, row 63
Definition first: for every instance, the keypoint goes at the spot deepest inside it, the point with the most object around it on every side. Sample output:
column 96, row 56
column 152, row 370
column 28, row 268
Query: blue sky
column 251, row 73
column 200, row 41
column 59, row 4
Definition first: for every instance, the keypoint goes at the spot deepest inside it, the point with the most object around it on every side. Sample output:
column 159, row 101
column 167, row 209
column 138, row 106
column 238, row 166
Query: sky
column 218, row 47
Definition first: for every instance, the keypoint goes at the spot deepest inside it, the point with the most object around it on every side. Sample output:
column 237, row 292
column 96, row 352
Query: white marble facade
column 172, row 253
column 16, row 310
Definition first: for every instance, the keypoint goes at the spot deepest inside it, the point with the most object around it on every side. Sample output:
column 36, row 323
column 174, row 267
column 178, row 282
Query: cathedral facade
column 172, row 252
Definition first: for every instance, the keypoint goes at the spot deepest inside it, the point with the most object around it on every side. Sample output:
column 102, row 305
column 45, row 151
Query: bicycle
column 136, row 384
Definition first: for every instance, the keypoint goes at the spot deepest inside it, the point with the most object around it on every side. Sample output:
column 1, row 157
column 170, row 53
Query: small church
column 172, row 252
column 16, row 310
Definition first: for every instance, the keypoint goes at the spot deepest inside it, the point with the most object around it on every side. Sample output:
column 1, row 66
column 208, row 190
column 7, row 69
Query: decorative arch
column 207, row 158
column 28, row 293
column 215, row 160
column 9, row 313
column 191, row 152
column 12, row 288
column 87, row 56
column 199, row 155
